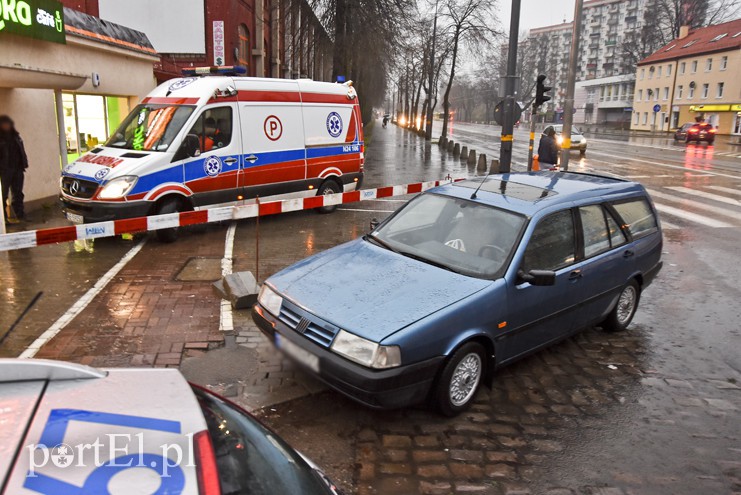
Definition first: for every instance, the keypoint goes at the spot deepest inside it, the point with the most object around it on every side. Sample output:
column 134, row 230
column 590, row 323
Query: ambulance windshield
column 150, row 127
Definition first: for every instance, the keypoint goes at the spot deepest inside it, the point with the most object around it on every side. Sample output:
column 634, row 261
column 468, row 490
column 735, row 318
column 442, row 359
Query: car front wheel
column 623, row 312
column 460, row 379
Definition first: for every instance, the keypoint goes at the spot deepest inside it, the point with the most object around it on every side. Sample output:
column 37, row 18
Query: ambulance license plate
column 74, row 218
column 301, row 355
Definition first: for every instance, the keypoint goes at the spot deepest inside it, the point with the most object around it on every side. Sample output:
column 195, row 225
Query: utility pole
column 505, row 152
column 430, row 79
column 568, row 107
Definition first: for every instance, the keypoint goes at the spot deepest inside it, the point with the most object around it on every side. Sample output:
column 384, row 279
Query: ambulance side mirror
column 189, row 148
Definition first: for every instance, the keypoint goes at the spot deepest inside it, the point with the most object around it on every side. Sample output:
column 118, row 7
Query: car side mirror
column 374, row 223
column 189, row 148
column 537, row 277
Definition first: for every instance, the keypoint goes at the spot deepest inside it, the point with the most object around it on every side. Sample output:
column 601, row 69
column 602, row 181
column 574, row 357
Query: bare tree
column 468, row 26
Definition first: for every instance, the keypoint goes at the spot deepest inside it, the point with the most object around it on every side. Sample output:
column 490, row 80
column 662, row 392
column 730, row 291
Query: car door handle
column 251, row 158
column 575, row 275
column 628, row 254
column 230, row 160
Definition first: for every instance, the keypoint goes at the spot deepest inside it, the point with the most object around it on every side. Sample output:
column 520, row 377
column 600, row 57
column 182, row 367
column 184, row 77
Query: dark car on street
column 462, row 280
column 697, row 132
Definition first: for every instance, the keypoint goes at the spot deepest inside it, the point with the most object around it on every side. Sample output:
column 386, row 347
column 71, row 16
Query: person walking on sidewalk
column 13, row 164
column 548, row 149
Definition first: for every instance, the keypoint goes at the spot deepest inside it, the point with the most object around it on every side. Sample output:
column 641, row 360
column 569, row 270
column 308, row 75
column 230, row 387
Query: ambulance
column 212, row 138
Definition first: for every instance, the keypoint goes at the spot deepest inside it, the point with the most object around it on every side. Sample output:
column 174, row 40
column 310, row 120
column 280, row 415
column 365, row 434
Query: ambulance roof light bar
column 224, row 70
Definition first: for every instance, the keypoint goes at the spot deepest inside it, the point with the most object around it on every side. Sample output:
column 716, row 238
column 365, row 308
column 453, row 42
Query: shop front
column 725, row 117
column 67, row 84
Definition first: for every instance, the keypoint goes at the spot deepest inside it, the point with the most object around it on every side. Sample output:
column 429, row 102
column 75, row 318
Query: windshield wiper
column 428, row 261
column 378, row 242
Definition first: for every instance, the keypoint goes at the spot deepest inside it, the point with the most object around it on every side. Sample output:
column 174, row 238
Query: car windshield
column 455, row 234
column 150, row 127
column 250, row 458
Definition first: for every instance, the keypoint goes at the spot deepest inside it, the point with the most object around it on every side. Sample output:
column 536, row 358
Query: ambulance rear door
column 273, row 138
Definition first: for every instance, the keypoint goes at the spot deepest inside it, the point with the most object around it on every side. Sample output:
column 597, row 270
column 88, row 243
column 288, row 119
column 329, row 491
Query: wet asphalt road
column 651, row 410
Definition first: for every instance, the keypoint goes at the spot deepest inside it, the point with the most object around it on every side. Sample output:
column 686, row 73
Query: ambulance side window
column 213, row 128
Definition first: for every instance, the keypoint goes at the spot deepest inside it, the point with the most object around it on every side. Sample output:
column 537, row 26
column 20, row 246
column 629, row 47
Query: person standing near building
column 13, row 164
column 548, row 149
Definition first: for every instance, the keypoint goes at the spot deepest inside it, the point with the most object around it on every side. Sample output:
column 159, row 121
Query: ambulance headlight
column 118, row 188
column 270, row 300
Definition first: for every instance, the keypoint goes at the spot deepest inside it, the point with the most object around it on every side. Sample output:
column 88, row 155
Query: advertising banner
column 40, row 19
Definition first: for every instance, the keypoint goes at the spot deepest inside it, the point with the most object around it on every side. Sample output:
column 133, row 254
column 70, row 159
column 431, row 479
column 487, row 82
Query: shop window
column 244, row 45
column 89, row 120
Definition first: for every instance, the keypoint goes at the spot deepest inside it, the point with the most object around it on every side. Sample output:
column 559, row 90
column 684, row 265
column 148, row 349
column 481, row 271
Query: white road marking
column 692, row 217
column 728, row 190
column 695, row 204
column 638, row 176
column 668, row 225
column 706, row 195
column 226, row 315
column 658, row 164
column 361, row 209
column 80, row 304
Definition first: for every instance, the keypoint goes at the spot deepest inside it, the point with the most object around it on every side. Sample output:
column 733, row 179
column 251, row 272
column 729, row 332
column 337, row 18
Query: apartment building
column 548, row 50
column 695, row 77
column 605, row 101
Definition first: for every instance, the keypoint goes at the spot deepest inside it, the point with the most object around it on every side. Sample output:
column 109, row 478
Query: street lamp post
column 508, row 124
column 568, row 107
column 431, row 79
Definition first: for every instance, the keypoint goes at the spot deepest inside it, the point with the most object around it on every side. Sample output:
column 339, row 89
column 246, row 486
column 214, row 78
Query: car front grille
column 79, row 188
column 307, row 324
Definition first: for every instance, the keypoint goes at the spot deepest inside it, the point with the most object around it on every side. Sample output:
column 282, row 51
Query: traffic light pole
column 505, row 152
column 568, row 107
column 530, row 150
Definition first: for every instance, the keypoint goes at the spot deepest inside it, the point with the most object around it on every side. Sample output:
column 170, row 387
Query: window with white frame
column 705, row 90
column 709, row 65
column 637, row 116
column 719, row 93
column 723, row 63
column 656, row 94
column 668, row 70
column 658, row 71
column 666, row 93
column 643, row 73
column 691, row 92
column 682, row 67
column 640, row 96
column 694, row 66
column 680, row 90
column 645, row 118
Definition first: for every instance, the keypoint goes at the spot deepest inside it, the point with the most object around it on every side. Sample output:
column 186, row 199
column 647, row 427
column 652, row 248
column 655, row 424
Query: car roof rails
column 601, row 176
column 21, row 370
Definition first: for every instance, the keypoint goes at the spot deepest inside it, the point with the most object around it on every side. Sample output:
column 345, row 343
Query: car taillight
column 713, row 130
column 208, row 475
column 693, row 130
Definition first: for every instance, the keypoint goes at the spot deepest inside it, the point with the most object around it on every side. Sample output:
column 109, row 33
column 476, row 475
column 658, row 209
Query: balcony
column 591, row 66
column 611, row 42
column 631, row 18
column 595, row 34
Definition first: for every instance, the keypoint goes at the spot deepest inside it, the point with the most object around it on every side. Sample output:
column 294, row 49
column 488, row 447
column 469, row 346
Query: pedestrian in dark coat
column 548, row 149
column 13, row 164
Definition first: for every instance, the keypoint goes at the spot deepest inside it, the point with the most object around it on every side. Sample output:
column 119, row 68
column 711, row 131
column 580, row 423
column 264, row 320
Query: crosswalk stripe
column 695, row 204
column 728, row 190
column 706, row 195
column 692, row 217
column 668, row 225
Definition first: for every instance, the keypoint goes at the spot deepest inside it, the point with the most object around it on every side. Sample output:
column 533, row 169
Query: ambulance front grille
column 79, row 188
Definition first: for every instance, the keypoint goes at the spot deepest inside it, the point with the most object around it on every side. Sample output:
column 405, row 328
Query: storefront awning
column 24, row 76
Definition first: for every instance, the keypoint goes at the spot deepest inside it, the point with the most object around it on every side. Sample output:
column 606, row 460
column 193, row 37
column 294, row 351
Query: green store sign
column 40, row 19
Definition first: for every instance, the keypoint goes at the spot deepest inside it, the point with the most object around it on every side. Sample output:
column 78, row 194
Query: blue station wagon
column 462, row 280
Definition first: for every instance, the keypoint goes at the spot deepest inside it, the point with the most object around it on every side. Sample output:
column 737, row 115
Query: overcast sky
column 536, row 13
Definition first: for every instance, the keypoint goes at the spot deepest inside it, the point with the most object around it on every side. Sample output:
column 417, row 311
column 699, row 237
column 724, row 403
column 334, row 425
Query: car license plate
column 72, row 217
column 299, row 354
column 702, row 134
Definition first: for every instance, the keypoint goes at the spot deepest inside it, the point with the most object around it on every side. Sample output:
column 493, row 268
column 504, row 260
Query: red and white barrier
column 33, row 238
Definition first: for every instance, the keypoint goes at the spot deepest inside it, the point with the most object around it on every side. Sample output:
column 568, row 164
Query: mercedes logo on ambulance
column 74, row 188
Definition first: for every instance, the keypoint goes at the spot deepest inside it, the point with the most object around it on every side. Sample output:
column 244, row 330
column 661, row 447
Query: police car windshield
column 150, row 127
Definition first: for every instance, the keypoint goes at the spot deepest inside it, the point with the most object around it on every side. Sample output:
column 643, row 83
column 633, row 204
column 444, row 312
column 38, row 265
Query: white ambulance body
column 202, row 141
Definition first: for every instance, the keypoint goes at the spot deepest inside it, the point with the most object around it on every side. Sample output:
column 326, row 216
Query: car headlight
column 365, row 352
column 270, row 300
column 559, row 139
column 583, row 140
column 118, row 188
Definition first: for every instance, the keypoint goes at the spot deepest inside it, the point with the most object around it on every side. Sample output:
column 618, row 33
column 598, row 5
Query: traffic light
column 541, row 90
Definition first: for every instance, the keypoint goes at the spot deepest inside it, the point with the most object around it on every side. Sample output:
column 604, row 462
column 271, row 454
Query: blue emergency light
column 224, row 70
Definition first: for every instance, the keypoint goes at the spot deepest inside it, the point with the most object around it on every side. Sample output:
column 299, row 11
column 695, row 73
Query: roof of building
column 94, row 28
column 528, row 193
column 721, row 37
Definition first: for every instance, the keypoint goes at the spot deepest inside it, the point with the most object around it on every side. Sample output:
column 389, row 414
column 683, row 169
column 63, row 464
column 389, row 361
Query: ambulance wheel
column 329, row 186
column 172, row 205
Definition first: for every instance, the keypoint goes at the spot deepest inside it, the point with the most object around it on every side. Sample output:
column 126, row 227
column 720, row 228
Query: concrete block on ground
column 443, row 142
column 457, row 149
column 472, row 157
column 451, row 145
column 481, row 166
column 464, row 153
column 494, row 169
column 219, row 289
column 241, row 289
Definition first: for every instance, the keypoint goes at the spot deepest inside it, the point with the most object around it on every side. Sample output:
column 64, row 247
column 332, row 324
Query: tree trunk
column 416, row 101
column 339, row 59
column 446, row 97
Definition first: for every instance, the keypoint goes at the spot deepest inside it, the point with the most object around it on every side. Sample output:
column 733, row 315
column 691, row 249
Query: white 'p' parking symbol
column 273, row 128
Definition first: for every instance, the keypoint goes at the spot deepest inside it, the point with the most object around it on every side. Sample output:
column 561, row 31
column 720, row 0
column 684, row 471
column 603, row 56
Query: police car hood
column 55, row 428
column 109, row 163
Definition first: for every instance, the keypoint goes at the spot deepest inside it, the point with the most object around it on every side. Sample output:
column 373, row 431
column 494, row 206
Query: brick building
column 272, row 38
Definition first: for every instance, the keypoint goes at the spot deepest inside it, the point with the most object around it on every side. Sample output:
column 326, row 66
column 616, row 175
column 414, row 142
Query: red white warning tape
column 33, row 238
